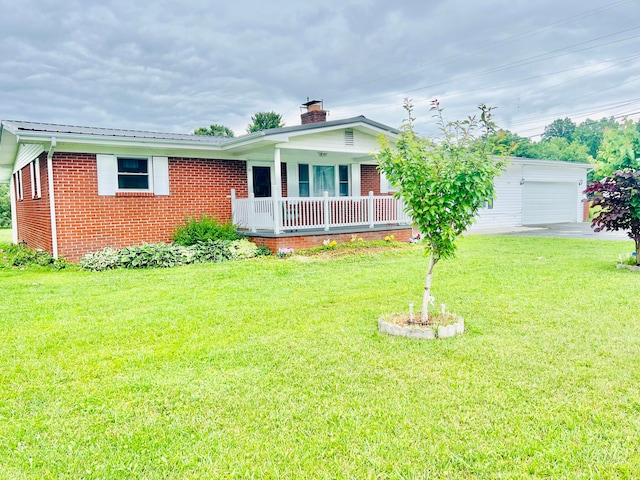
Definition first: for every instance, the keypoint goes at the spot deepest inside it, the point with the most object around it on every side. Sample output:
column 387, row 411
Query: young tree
column 264, row 121
column 618, row 197
column 215, row 130
column 442, row 183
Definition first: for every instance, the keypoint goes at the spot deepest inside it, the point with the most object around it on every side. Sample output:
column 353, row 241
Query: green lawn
column 5, row 235
column 275, row 369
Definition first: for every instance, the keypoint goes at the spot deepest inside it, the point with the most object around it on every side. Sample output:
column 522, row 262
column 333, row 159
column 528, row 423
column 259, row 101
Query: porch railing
column 307, row 213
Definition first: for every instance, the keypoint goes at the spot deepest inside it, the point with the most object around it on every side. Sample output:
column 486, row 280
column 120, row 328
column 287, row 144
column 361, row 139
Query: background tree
column 556, row 148
column 620, row 148
column 560, row 128
column 590, row 133
column 264, row 121
column 504, row 142
column 442, row 183
column 215, row 130
column 5, row 206
column 618, row 197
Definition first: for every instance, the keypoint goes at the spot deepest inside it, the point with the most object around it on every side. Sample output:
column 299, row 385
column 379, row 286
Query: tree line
column 595, row 141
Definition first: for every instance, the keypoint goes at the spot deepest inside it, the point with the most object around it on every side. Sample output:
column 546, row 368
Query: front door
column 262, row 182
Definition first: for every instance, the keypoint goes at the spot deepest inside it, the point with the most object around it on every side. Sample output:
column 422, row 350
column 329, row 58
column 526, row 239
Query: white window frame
column 107, row 170
column 149, row 174
column 336, row 178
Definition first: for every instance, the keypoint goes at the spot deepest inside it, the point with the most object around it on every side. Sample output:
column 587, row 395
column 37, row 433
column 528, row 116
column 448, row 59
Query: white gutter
column 52, row 202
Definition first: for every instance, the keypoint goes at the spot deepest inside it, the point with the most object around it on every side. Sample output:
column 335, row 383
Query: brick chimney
column 313, row 112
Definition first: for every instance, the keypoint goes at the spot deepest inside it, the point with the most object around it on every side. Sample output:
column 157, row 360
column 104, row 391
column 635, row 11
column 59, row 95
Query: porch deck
column 304, row 222
column 314, row 215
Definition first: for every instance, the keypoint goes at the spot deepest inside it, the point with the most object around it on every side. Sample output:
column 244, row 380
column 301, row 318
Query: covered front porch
column 317, row 214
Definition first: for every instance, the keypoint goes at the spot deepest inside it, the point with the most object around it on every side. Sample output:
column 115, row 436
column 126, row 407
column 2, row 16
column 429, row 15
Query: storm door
column 262, row 182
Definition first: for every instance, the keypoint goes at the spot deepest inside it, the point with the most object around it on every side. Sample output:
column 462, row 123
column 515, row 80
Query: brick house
column 76, row 190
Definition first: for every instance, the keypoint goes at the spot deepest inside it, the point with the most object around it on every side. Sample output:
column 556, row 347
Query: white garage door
column 549, row 202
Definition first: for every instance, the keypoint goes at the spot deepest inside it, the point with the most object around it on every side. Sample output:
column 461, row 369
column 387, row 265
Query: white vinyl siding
column 507, row 203
column 535, row 193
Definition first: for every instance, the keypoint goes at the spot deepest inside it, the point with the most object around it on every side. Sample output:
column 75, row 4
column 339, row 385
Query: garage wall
column 535, row 192
column 507, row 204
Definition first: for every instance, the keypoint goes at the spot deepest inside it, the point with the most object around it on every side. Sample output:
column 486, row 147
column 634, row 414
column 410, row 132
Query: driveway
column 557, row 230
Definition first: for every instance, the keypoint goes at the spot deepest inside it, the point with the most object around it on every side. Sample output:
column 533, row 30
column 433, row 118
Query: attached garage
column 549, row 202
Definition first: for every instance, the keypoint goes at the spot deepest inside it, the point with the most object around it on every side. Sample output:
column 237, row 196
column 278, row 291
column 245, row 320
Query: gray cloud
column 174, row 66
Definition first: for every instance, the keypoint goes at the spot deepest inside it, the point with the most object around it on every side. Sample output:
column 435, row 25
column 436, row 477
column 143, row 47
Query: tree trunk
column 427, row 289
column 637, row 251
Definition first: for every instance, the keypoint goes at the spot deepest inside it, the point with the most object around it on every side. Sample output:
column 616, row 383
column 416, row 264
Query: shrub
column 211, row 251
column 242, row 249
column 203, row 229
column 162, row 255
column 105, row 259
column 154, row 255
column 22, row 256
column 263, row 251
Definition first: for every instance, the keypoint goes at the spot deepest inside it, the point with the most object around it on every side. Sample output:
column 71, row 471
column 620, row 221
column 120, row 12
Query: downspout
column 52, row 203
column 14, row 210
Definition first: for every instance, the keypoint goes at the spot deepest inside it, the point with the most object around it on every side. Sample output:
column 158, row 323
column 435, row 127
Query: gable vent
column 348, row 137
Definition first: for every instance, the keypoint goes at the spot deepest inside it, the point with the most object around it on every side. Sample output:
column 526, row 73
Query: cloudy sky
column 174, row 66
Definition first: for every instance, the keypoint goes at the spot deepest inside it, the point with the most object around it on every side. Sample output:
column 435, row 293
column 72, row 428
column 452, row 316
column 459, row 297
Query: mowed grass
column 5, row 235
column 275, row 369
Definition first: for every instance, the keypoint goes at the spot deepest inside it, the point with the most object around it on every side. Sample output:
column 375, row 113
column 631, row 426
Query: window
column 317, row 179
column 133, row 173
column 324, row 180
column 488, row 204
column 303, row 179
column 343, row 180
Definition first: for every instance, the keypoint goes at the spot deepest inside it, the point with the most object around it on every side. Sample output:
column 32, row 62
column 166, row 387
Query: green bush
column 203, row 229
column 162, row 255
column 263, row 251
column 22, row 256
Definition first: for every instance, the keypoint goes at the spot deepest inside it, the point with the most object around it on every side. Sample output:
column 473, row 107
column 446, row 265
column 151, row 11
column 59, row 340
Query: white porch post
column 325, row 196
column 251, row 213
column 233, row 206
column 277, row 190
column 371, row 209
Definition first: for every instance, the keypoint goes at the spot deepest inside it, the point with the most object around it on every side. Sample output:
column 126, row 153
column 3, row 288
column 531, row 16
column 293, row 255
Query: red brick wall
column 308, row 241
column 88, row 222
column 369, row 180
column 33, row 214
